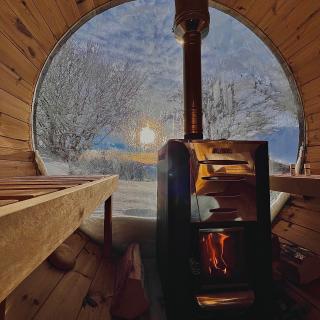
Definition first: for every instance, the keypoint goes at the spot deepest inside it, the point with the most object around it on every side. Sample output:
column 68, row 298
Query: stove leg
column 107, row 228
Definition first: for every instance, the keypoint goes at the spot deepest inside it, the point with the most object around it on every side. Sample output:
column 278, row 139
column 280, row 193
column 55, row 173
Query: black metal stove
column 213, row 230
column 214, row 248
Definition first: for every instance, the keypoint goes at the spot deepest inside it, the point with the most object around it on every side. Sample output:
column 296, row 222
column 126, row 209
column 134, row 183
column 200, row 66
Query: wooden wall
column 30, row 29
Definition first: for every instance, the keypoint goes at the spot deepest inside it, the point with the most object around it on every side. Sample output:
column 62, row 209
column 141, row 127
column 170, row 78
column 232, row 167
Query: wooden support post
column 3, row 310
column 107, row 228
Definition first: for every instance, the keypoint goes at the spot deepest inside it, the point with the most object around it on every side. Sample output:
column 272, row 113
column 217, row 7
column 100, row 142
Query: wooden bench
column 38, row 213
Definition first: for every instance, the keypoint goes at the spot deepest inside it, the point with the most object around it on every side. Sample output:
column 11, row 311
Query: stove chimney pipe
column 190, row 26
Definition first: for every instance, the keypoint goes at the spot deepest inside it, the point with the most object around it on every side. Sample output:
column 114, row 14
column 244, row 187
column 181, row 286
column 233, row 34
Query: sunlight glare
column 147, row 136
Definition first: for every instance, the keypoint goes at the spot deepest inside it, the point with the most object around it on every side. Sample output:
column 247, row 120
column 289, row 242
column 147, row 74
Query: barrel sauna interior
column 31, row 32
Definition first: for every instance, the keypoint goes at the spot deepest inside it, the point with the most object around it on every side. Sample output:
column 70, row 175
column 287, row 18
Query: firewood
column 129, row 300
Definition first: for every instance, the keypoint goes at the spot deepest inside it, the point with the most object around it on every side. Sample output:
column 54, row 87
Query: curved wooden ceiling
column 30, row 29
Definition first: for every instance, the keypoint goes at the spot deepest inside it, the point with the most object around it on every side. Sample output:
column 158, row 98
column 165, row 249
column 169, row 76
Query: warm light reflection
column 214, row 249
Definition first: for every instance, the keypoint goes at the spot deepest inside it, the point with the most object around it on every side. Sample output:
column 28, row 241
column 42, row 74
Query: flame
column 214, row 247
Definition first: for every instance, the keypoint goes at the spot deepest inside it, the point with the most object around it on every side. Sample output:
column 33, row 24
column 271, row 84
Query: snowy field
column 135, row 198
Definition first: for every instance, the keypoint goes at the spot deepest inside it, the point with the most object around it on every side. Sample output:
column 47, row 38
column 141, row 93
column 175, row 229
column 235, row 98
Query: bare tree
column 83, row 97
column 236, row 108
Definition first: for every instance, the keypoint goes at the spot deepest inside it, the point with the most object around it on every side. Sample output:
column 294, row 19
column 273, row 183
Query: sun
column 147, row 136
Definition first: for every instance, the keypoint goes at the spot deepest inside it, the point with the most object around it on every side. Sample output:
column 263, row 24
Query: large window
column 113, row 95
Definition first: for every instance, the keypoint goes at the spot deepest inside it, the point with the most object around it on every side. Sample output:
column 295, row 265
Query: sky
column 141, row 32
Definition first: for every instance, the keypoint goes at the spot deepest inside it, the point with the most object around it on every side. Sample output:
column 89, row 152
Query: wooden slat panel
column 242, row 6
column 30, row 16
column 311, row 89
column 53, row 17
column 292, row 22
column 13, row 84
column 13, row 128
column 27, row 299
column 257, row 12
column 100, row 2
column 84, row 6
column 313, row 137
column 14, row 28
column 313, row 154
column 12, row 168
column 76, row 283
column 16, row 61
column 14, row 144
column 57, row 214
column 11, row 154
column 24, row 194
column 303, row 185
column 101, row 290
column 5, row 202
column 304, row 33
column 303, row 237
column 313, row 121
column 303, row 217
column 14, row 107
column 280, row 11
column 69, row 11
column 35, row 187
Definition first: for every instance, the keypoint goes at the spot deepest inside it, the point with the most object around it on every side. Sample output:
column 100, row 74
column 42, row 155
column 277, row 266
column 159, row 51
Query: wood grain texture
column 76, row 282
column 303, row 185
column 10, row 168
column 26, row 300
column 59, row 214
column 301, row 236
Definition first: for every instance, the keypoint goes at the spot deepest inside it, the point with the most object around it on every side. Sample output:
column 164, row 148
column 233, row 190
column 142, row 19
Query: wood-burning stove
column 213, row 235
column 213, row 230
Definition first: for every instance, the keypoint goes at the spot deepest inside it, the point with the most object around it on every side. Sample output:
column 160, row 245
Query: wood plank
column 16, row 155
column 12, row 26
column 311, row 89
column 24, row 194
column 280, row 11
column 303, row 217
column 313, row 137
column 303, row 237
column 13, row 84
column 306, row 203
column 304, row 185
column 16, row 61
column 14, row 144
column 89, row 260
column 26, row 300
column 14, row 107
column 101, row 291
column 66, row 300
column 30, row 16
column 53, row 17
column 69, row 11
column 35, row 187
column 58, row 213
column 313, row 121
column 303, row 34
column 98, row 3
column 5, row 202
column 12, row 168
column 291, row 23
column 84, row 6
column 13, row 128
column 313, row 154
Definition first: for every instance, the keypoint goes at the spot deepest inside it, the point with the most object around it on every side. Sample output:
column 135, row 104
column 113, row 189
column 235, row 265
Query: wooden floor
column 82, row 293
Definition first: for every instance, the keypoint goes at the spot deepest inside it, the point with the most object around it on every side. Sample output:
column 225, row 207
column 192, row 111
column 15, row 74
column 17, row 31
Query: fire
column 214, row 248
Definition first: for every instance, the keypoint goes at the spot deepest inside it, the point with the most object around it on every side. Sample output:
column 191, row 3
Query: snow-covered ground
column 135, row 198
